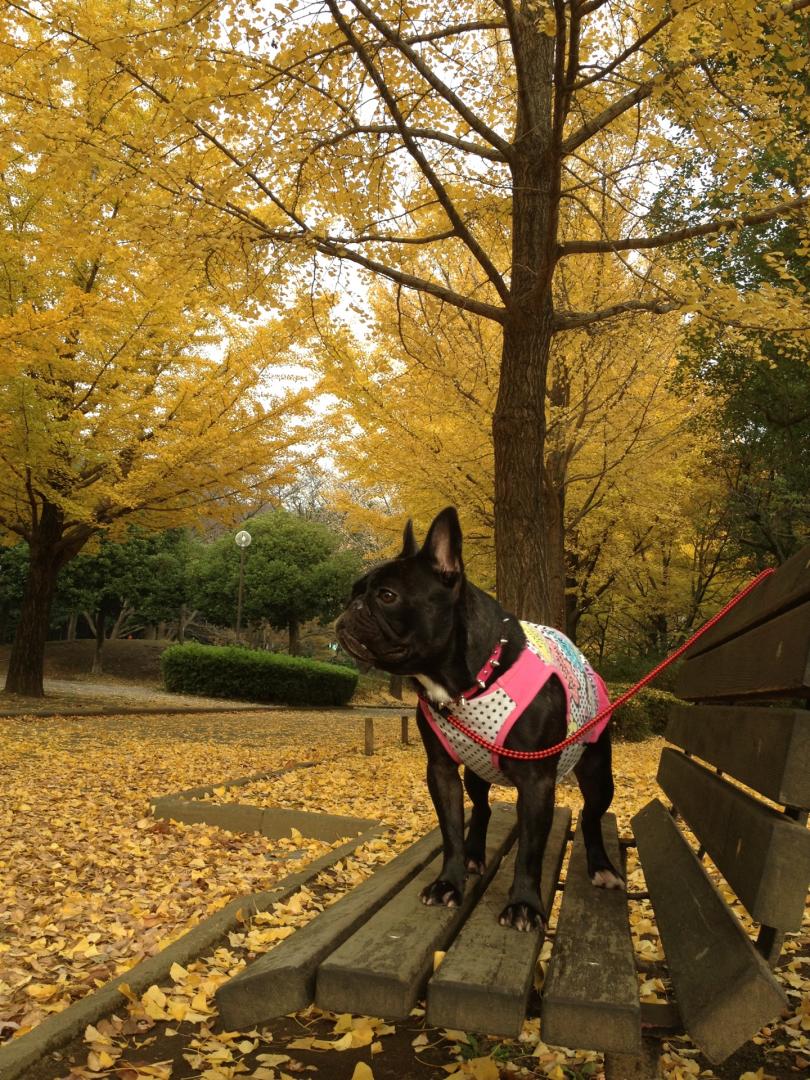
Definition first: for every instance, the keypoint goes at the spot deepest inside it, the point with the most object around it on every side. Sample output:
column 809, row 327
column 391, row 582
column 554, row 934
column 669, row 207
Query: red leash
column 533, row 755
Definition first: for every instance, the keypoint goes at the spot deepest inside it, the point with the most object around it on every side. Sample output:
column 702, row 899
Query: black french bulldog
column 418, row 615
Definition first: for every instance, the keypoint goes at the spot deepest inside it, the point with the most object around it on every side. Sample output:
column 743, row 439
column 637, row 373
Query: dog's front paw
column 607, row 879
column 474, row 865
column 522, row 917
column 441, row 894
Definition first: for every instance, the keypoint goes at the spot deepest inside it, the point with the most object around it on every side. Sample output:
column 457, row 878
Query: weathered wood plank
column 485, row 978
column 382, row 969
column 283, row 980
column 766, row 748
column 769, row 660
column 764, row 855
column 787, row 588
column 724, row 989
column 590, row 996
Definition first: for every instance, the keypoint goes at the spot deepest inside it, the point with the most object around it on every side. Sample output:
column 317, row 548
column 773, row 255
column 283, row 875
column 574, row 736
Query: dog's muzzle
column 362, row 637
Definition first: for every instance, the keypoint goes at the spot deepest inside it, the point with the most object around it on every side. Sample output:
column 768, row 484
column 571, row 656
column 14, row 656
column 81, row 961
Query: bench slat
column 382, row 969
column 283, row 980
column 766, row 748
column 769, row 660
column 764, row 855
column 590, row 996
column 787, row 588
column 724, row 989
column 484, row 981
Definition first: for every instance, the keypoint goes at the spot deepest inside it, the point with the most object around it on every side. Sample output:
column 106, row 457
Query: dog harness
column 493, row 712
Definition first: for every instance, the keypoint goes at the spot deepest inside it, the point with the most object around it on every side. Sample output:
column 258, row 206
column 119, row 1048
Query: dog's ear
column 409, row 544
column 443, row 544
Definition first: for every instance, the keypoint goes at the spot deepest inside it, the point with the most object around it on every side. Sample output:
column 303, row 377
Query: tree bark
column 27, row 659
column 101, row 620
column 47, row 555
column 72, row 623
column 530, row 579
column 294, row 631
column 518, row 432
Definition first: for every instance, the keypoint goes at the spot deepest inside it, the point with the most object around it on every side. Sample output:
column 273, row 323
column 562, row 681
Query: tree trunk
column 125, row 613
column 530, row 579
column 27, row 659
column 72, row 623
column 101, row 619
column 518, row 431
column 294, row 631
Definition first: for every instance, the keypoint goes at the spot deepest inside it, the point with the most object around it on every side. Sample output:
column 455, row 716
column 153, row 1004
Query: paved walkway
column 86, row 696
column 91, row 695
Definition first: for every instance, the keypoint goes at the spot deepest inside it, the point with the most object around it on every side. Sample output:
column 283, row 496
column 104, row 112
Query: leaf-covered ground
column 91, row 884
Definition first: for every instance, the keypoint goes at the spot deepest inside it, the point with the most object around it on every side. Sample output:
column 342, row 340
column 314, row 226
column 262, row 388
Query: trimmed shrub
column 234, row 672
column 642, row 716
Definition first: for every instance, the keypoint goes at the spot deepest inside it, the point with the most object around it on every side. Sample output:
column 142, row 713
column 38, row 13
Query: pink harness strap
column 495, row 711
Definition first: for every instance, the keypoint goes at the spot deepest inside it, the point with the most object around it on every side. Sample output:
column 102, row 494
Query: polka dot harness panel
column 492, row 713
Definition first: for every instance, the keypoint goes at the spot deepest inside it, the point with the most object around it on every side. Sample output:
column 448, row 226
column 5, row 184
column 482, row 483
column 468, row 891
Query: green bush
column 642, row 716
column 233, row 672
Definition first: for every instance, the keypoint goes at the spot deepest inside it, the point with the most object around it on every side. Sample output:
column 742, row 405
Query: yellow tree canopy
column 136, row 381
column 414, row 424
column 131, row 383
column 359, row 133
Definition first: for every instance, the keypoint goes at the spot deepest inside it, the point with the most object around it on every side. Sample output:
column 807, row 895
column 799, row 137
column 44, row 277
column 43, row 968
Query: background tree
column 757, row 387
column 123, row 587
column 295, row 570
column 361, row 133
column 137, row 389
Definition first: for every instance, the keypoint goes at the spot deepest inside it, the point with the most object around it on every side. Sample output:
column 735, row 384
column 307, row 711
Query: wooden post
column 404, row 731
column 369, row 736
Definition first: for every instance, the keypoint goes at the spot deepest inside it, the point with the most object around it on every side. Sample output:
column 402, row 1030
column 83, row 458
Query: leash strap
column 534, row 755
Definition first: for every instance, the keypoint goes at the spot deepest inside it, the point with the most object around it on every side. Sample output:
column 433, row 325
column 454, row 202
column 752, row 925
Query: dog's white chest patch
column 438, row 694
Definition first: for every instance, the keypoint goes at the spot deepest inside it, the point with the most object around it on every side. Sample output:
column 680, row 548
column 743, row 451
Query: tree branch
column 415, row 151
column 688, row 232
column 488, row 152
column 626, row 53
column 411, row 281
column 459, row 28
column 433, row 80
column 572, row 320
column 622, row 104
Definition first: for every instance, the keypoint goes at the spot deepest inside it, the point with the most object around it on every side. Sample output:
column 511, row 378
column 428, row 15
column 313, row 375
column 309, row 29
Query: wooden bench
column 373, row 951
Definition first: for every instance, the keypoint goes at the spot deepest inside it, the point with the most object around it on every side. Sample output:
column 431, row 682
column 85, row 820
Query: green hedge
column 234, row 672
column 644, row 715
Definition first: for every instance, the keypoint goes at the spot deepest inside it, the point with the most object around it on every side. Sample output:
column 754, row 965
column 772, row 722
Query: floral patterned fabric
column 493, row 712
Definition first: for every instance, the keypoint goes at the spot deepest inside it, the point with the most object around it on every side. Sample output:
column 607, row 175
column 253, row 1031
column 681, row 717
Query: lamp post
column 242, row 539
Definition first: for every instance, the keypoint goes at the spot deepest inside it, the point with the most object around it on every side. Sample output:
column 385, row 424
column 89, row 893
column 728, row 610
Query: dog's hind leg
column 475, row 846
column 594, row 775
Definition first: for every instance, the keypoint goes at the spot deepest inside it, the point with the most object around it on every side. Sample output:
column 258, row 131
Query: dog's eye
column 387, row 596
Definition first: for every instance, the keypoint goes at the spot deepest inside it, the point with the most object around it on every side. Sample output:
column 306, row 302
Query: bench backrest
column 741, row 783
column 757, row 655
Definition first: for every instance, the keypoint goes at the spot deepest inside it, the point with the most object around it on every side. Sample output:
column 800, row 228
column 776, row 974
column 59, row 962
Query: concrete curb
column 227, row 706
column 271, row 821
column 60, row 1028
